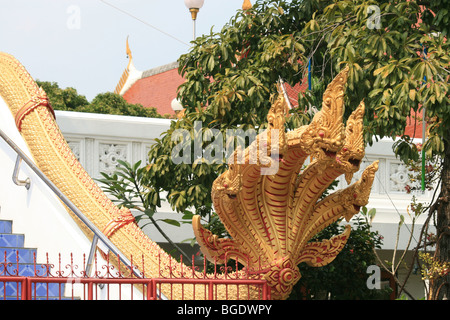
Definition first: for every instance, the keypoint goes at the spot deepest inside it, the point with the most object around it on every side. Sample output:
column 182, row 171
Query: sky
column 82, row 43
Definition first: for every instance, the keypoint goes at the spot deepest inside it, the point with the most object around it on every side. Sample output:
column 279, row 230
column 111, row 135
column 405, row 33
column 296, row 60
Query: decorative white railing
column 99, row 140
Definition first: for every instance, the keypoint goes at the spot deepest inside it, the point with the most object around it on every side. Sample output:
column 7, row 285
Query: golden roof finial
column 129, row 56
column 126, row 72
column 246, row 5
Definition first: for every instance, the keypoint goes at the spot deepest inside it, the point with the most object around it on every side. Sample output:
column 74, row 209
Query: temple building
column 155, row 87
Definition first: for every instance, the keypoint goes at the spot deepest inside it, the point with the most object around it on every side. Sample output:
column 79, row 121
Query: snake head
column 324, row 137
column 357, row 195
column 350, row 156
column 276, row 135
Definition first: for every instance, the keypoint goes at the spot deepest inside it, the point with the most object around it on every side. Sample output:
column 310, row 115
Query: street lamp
column 194, row 7
column 247, row 5
column 177, row 107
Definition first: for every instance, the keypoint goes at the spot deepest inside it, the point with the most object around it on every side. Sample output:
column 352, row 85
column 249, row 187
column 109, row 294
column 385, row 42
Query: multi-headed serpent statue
column 270, row 218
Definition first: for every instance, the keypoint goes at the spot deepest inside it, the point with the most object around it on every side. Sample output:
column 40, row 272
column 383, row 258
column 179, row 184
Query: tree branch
column 432, row 209
column 181, row 251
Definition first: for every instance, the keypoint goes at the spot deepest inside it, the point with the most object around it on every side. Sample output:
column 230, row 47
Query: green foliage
column 233, row 73
column 62, row 99
column 398, row 68
column 187, row 185
column 345, row 277
column 68, row 99
column 113, row 103
column 437, row 17
column 129, row 188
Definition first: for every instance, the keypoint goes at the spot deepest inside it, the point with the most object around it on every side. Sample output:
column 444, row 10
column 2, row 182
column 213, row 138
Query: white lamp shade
column 194, row 3
column 176, row 105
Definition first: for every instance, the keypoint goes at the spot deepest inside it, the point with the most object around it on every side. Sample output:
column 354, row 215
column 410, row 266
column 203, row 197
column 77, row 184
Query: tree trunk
column 441, row 286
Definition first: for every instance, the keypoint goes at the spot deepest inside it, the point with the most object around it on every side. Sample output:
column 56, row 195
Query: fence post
column 26, row 289
column 210, row 290
column 151, row 290
column 90, row 290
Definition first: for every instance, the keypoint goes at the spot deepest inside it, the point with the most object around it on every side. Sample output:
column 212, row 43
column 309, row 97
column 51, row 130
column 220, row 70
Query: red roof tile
column 157, row 91
column 414, row 125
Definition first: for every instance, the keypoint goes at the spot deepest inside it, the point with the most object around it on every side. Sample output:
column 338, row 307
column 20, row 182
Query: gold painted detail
column 38, row 100
column 126, row 72
column 122, row 218
column 272, row 216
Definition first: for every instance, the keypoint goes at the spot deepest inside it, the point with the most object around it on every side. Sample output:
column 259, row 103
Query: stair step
column 15, row 260
column 11, row 254
column 12, row 240
column 9, row 290
column 40, row 291
column 5, row 226
column 39, row 298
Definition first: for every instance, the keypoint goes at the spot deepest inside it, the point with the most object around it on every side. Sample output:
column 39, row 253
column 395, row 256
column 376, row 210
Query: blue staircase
column 15, row 260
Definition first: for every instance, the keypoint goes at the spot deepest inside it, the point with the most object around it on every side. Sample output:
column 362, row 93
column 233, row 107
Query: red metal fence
column 67, row 280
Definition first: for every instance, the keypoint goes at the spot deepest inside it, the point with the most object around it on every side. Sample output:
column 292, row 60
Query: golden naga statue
column 271, row 217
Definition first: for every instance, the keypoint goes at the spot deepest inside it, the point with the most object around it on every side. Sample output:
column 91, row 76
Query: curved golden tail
column 35, row 119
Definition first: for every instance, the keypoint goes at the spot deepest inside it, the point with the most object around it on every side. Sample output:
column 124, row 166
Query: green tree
column 346, row 276
column 68, row 99
column 401, row 68
column 113, row 103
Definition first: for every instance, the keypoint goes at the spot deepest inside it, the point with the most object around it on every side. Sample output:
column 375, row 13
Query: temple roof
column 156, row 88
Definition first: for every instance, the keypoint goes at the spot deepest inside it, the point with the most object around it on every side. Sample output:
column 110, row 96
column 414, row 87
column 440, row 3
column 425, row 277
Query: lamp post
column 194, row 7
